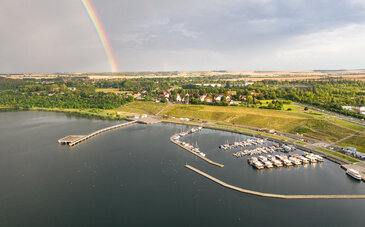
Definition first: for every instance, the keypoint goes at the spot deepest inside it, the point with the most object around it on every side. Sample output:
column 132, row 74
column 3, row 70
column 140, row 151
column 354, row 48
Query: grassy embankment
column 310, row 124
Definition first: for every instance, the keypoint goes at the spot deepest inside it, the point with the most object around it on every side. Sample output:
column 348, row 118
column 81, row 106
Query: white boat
column 354, row 174
column 258, row 165
column 277, row 163
column 304, row 160
column 287, row 162
column 318, row 158
column 312, row 159
column 268, row 164
column 262, row 158
column 295, row 161
column 202, row 154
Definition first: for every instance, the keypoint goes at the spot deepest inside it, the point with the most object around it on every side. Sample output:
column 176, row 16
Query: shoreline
column 232, row 129
column 74, row 112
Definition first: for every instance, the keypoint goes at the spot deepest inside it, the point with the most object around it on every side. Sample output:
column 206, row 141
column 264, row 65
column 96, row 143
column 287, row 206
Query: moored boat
column 257, row 165
column 354, row 174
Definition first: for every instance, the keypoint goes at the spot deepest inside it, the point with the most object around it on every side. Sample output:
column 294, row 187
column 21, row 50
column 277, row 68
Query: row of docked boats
column 243, row 143
column 264, row 150
column 256, row 151
column 271, row 161
column 188, row 146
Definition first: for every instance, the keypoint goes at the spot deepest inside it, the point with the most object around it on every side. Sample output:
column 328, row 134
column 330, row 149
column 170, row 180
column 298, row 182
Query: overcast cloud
column 57, row 36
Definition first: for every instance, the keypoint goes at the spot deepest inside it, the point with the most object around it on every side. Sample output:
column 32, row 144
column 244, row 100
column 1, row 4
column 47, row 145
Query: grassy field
column 347, row 124
column 142, row 107
column 98, row 113
column 356, row 141
column 315, row 126
column 293, row 107
column 110, row 90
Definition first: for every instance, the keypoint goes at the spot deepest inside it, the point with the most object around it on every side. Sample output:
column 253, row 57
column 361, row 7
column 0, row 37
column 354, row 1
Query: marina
column 194, row 150
column 271, row 161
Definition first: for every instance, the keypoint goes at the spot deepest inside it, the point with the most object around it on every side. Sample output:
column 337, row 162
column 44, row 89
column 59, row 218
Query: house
column 208, row 100
column 178, row 98
column 228, row 98
column 202, row 98
column 255, row 93
column 137, row 95
column 218, row 98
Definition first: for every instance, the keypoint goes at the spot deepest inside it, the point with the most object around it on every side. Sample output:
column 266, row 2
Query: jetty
column 195, row 153
column 270, row 195
column 76, row 139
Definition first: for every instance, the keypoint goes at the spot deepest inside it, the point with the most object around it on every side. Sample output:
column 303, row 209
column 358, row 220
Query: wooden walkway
column 269, row 195
column 197, row 154
column 73, row 140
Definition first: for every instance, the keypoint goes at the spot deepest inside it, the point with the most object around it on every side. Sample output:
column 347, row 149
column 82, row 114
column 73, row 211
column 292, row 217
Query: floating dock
column 269, row 195
column 195, row 153
column 76, row 139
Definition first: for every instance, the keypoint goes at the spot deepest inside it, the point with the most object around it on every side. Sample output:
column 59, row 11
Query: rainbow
column 101, row 33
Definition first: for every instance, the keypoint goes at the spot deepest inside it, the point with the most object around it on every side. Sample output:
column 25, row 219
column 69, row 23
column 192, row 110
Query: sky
column 44, row 36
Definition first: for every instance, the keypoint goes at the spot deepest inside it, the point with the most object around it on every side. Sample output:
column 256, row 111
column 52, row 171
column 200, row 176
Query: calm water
column 135, row 177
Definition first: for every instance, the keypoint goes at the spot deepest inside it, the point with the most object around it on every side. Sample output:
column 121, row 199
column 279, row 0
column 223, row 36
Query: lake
column 135, row 176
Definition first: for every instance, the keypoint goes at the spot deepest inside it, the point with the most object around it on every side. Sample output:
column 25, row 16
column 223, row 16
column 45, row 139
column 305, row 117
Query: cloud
column 48, row 36
column 187, row 35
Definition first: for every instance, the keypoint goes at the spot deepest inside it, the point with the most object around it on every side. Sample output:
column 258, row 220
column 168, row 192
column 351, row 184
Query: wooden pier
column 269, row 195
column 195, row 153
column 76, row 139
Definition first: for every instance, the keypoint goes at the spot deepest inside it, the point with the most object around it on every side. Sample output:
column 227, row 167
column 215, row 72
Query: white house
column 202, row 98
column 218, row 98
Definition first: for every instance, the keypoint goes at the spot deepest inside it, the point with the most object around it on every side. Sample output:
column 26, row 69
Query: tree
column 305, row 108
